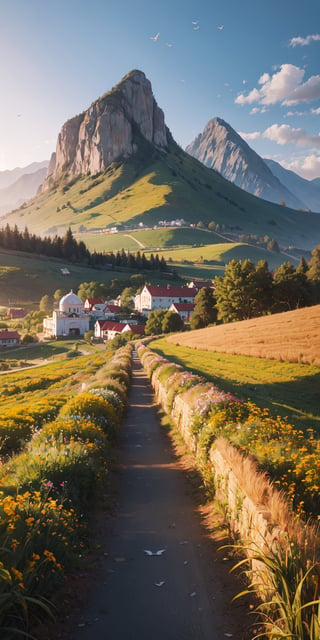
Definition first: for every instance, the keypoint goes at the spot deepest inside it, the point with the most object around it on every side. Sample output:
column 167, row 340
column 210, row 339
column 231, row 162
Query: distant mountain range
column 20, row 184
column 117, row 165
column 221, row 148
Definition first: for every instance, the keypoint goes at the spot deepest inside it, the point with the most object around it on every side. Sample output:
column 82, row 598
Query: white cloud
column 299, row 41
column 250, row 136
column 308, row 167
column 264, row 78
column 285, row 86
column 255, row 110
column 316, row 111
column 284, row 134
column 289, row 114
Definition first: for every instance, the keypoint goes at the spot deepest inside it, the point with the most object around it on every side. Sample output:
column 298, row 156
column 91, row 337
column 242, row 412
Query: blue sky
column 254, row 63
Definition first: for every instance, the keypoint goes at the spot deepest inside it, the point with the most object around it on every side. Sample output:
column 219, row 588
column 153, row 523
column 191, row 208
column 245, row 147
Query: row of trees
column 72, row 250
column 248, row 291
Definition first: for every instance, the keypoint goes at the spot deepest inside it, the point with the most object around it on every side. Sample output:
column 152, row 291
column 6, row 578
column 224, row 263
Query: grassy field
column 44, row 352
column 292, row 336
column 286, row 389
column 148, row 239
column 222, row 253
column 25, row 278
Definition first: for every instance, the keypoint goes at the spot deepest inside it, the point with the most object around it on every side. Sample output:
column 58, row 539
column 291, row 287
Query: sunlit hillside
column 155, row 185
column 292, row 336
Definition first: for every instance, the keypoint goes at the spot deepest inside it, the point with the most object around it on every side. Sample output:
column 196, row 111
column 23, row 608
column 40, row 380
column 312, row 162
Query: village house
column 184, row 309
column 156, row 297
column 15, row 314
column 9, row 338
column 111, row 311
column 69, row 320
column 107, row 330
column 93, row 304
column 200, row 284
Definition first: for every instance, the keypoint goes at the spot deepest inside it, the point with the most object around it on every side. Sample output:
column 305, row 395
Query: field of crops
column 292, row 336
column 58, row 422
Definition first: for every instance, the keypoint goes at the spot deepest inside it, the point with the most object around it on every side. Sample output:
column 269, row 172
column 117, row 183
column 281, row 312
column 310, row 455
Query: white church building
column 69, row 320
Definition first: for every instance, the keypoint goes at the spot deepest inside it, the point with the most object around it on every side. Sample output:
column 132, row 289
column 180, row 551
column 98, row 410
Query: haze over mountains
column 221, row 148
column 20, row 184
column 117, row 164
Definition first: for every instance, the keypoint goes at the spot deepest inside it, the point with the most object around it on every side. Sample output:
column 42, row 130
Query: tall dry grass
column 292, row 336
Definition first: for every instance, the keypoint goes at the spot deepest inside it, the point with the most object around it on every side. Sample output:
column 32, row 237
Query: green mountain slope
column 154, row 185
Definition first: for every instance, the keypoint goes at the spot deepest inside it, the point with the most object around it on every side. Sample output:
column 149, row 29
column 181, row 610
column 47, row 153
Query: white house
column 69, row 320
column 184, row 309
column 108, row 330
column 162, row 297
column 9, row 338
column 93, row 304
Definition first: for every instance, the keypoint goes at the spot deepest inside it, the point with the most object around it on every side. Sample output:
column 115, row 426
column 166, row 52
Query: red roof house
column 162, row 297
column 17, row 313
column 184, row 309
column 9, row 338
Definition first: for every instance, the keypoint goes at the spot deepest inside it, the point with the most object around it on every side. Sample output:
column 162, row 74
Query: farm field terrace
column 287, row 389
column 222, row 253
column 148, row 239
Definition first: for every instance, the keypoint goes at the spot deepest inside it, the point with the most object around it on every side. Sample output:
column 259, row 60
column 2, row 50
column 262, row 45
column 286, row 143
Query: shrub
column 110, row 396
column 94, row 408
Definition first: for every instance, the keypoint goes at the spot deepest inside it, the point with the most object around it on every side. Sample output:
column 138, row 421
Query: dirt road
column 180, row 591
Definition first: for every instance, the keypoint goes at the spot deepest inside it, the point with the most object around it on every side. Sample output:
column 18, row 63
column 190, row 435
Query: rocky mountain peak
column 221, row 148
column 107, row 131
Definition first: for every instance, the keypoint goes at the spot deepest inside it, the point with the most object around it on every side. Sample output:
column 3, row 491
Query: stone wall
column 249, row 520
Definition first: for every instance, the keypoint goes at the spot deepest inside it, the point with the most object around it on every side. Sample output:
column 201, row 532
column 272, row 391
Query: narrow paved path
column 170, row 596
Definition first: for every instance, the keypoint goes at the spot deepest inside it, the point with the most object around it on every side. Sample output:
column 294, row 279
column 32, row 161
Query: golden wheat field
column 292, row 336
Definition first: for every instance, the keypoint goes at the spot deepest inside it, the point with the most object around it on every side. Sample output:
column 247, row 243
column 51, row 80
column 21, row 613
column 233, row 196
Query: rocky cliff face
column 221, row 148
column 108, row 130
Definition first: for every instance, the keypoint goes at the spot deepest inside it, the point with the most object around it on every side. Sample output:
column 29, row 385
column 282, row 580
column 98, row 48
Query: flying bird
column 168, row 44
column 154, row 553
column 195, row 21
column 155, row 38
column 196, row 28
column 221, row 27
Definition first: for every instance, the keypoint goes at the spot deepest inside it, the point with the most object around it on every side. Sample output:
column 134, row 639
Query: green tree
column 127, row 302
column 45, row 304
column 172, row 322
column 291, row 288
column 58, row 294
column 92, row 289
column 234, row 291
column 314, row 264
column 263, row 289
column 154, row 323
column 272, row 245
column 205, row 311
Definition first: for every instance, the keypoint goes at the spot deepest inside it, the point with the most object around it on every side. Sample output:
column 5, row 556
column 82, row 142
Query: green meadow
column 222, row 253
column 287, row 389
